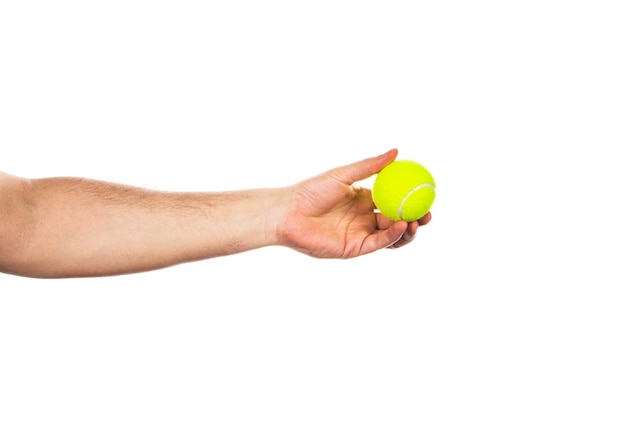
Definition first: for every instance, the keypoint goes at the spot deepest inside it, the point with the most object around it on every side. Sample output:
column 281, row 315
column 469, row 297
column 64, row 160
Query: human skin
column 76, row 227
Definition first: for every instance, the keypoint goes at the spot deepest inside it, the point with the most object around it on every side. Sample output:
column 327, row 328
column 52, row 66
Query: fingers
column 400, row 233
column 424, row 220
column 384, row 238
column 365, row 168
column 407, row 237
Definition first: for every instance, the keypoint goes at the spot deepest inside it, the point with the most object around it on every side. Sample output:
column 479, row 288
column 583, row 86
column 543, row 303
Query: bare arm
column 60, row 227
column 71, row 227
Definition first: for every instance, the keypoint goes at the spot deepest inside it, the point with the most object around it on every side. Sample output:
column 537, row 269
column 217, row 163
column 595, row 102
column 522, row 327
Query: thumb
column 357, row 171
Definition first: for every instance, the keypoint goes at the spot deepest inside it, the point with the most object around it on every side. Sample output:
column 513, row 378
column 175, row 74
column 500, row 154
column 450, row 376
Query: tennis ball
column 404, row 190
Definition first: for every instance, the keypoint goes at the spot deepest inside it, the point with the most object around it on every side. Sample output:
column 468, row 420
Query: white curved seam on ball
column 419, row 187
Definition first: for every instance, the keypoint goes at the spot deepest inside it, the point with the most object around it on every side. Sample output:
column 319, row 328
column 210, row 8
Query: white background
column 504, row 320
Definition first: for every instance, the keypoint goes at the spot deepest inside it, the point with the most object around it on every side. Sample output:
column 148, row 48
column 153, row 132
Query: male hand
column 331, row 217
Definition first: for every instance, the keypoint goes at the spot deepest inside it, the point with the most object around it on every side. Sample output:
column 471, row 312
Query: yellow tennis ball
column 404, row 190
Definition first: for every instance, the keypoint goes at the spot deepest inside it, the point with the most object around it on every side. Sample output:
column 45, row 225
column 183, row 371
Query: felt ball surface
column 404, row 190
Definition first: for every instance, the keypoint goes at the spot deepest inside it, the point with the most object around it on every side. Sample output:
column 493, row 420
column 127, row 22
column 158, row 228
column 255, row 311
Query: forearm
column 88, row 228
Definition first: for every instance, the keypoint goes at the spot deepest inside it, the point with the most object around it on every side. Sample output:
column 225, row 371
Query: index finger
column 365, row 168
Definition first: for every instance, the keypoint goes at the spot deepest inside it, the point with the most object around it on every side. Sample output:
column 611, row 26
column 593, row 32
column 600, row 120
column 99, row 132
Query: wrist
column 275, row 211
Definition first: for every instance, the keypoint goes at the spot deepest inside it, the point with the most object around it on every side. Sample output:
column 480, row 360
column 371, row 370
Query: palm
column 333, row 221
